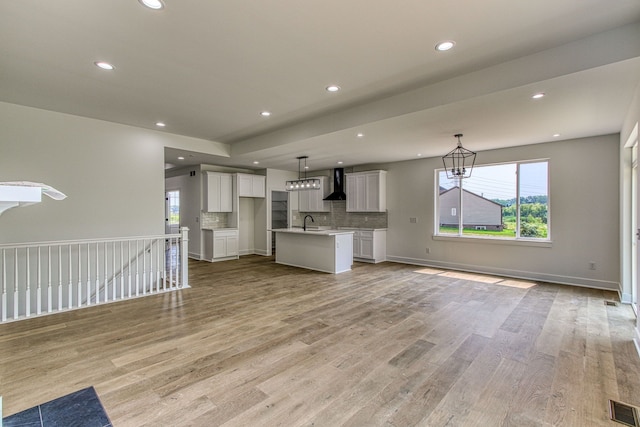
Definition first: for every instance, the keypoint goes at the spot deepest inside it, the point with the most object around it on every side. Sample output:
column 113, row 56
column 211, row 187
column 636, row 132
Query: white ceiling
column 208, row 68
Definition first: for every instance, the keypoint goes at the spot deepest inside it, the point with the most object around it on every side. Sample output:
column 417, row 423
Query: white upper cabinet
column 312, row 200
column 218, row 192
column 251, row 185
column 367, row 191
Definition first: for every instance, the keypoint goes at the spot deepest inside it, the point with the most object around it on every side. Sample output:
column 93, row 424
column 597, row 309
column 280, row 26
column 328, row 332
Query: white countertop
column 361, row 228
column 312, row 231
column 217, row 229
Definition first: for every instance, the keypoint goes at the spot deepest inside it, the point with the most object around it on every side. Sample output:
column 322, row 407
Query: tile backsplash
column 214, row 220
column 339, row 217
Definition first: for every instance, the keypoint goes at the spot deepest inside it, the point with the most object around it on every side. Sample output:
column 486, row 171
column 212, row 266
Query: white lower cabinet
column 220, row 245
column 369, row 245
column 225, row 244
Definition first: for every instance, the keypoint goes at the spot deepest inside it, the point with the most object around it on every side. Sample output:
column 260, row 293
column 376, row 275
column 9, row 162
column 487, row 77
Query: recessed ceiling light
column 445, row 45
column 104, row 65
column 555, row 135
column 180, row 158
column 265, row 114
column 340, row 163
column 152, row 4
column 255, row 162
column 419, row 154
column 160, row 124
column 538, row 95
column 333, row 88
column 360, row 135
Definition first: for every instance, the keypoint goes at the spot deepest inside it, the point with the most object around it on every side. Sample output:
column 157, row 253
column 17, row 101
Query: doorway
column 279, row 213
column 172, row 212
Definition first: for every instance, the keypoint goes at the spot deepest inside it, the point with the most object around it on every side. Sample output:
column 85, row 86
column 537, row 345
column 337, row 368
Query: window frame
column 518, row 239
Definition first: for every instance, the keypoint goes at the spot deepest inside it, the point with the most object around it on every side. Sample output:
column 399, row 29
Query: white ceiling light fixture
column 180, row 158
column 538, row 95
column 360, row 135
column 152, row 4
column 160, row 124
column 445, row 45
column 255, row 162
column 301, row 183
column 104, row 65
column 265, row 113
column 458, row 163
column 333, row 88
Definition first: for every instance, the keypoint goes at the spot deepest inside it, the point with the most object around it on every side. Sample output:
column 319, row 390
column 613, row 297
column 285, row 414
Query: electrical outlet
column 592, row 265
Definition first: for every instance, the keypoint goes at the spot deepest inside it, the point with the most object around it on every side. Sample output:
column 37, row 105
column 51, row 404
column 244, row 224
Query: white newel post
column 184, row 256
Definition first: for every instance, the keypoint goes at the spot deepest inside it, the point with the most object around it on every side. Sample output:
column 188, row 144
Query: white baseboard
column 636, row 339
column 516, row 274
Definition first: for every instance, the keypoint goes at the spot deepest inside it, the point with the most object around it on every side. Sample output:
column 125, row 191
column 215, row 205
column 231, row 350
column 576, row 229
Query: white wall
column 584, row 216
column 112, row 174
column 626, row 232
column 246, row 244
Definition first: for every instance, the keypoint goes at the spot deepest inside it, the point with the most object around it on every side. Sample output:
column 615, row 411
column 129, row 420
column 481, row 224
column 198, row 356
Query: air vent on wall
column 623, row 413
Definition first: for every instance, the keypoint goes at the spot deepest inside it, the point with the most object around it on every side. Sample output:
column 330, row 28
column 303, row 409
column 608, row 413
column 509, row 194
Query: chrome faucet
column 304, row 222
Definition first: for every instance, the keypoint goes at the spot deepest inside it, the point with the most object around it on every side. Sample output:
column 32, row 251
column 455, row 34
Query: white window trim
column 518, row 241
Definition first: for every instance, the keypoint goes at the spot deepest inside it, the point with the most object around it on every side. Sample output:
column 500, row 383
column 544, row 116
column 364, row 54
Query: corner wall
column 584, row 205
column 113, row 176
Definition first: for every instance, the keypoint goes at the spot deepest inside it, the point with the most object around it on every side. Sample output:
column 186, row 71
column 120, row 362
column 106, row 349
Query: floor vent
column 611, row 303
column 623, row 413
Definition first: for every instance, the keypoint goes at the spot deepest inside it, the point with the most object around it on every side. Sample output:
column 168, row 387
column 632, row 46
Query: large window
column 505, row 201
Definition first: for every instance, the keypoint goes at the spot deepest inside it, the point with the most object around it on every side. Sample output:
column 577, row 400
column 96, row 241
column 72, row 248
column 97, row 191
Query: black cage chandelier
column 458, row 163
column 303, row 183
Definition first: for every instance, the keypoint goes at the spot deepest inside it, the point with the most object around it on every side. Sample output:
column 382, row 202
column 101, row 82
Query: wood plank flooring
column 253, row 343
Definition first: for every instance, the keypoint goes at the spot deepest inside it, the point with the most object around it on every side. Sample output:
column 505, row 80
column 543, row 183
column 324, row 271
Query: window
column 504, row 201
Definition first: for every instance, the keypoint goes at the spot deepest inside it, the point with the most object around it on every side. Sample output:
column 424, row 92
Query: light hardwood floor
column 253, row 343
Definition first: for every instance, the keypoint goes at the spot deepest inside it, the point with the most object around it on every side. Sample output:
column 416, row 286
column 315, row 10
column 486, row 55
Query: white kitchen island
column 330, row 251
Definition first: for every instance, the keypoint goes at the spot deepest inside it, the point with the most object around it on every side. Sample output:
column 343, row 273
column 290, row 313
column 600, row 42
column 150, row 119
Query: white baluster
column 4, row 286
column 184, row 256
column 27, row 299
column 144, row 267
column 97, row 274
column 88, row 274
column 106, row 274
column 79, row 275
column 39, row 287
column 49, row 286
column 70, row 302
column 15, row 286
column 129, row 257
column 59, row 277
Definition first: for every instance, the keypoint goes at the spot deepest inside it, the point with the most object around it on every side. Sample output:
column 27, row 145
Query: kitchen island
column 330, row 251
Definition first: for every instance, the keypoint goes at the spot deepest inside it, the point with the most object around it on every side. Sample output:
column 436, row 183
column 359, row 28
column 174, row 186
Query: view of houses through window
column 506, row 201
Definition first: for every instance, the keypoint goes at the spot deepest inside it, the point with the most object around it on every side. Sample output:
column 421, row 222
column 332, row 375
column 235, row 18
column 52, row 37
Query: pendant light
column 458, row 163
column 303, row 183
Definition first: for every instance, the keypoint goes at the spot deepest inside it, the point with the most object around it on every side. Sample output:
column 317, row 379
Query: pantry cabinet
column 251, row 185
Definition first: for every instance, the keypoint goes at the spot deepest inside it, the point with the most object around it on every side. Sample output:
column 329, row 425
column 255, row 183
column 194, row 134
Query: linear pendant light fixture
column 458, row 163
column 303, row 183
